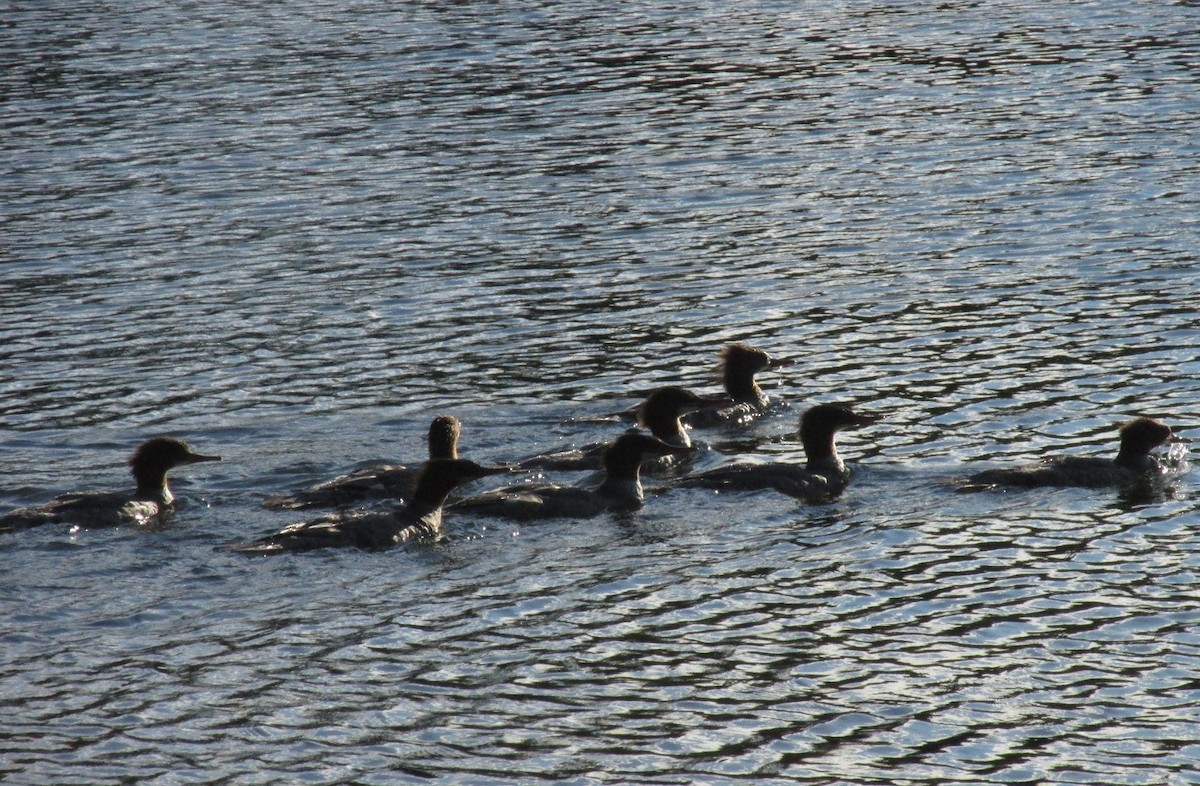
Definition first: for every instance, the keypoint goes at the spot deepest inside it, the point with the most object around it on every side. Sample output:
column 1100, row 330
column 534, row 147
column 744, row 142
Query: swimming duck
column 376, row 481
column 660, row 413
column 146, row 504
column 620, row 488
column 419, row 518
column 738, row 366
column 1133, row 461
column 821, row 478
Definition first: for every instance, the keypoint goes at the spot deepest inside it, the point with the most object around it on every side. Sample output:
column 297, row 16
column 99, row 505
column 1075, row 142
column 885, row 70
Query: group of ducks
column 661, row 444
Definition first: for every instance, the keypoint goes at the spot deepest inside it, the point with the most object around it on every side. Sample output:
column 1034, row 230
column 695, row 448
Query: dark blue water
column 294, row 234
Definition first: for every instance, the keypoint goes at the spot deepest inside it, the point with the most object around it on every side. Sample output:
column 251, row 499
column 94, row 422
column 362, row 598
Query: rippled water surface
column 294, row 233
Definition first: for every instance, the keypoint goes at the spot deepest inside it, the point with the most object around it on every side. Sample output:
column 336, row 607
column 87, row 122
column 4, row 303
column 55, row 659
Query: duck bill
column 781, row 363
column 196, row 458
column 502, row 469
column 677, row 450
column 711, row 403
column 865, row 420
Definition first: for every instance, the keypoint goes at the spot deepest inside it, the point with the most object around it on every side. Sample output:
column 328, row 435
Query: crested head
column 831, row 418
column 1139, row 437
column 739, row 363
column 668, row 404
column 443, row 437
column 743, row 357
column 662, row 410
column 167, row 452
column 818, row 427
column 670, row 401
column 157, row 456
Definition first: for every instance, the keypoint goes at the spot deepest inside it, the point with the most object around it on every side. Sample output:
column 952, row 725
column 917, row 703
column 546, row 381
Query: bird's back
column 379, row 481
column 87, row 509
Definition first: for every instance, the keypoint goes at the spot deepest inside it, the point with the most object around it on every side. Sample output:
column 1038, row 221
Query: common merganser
column 620, row 489
column 738, row 366
column 420, row 517
column 376, row 481
column 1133, row 461
column 660, row 413
column 821, row 478
column 149, row 464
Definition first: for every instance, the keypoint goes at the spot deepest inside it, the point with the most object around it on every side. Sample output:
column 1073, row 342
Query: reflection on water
column 293, row 235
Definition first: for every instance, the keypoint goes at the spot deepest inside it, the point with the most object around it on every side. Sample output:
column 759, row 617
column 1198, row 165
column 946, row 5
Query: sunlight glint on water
column 294, row 235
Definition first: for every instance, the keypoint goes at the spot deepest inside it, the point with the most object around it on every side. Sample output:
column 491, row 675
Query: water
column 295, row 233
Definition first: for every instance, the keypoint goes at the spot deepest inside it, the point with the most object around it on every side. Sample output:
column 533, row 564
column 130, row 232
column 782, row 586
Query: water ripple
column 295, row 234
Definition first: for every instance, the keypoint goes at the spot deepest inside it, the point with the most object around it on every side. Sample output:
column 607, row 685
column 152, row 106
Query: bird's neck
column 152, row 485
column 744, row 390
